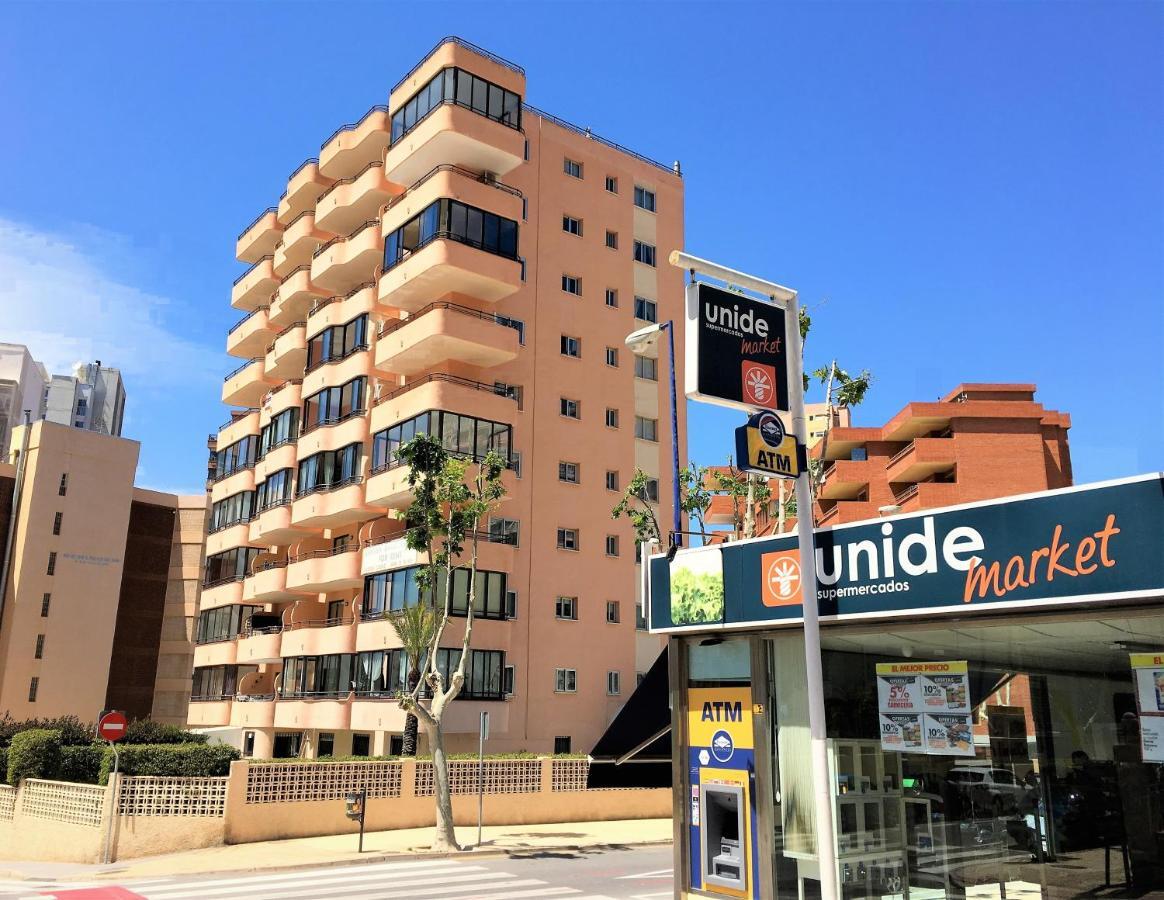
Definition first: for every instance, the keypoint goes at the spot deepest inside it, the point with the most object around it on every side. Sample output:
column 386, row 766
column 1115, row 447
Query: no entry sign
column 737, row 353
column 111, row 726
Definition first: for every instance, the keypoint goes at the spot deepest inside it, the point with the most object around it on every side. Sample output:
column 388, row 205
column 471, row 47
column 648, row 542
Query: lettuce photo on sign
column 697, row 588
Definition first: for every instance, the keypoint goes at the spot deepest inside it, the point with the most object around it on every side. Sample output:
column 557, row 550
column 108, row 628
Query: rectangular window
column 646, row 429
column 504, row 531
column 337, row 342
column 38, row 653
column 612, row 684
column 57, row 523
column 282, row 429
column 571, row 346
column 570, row 225
column 612, row 298
column 644, row 253
column 645, row 309
column 569, row 409
column 52, row 563
column 568, row 472
column 63, row 489
column 572, row 285
column 612, row 240
column 612, row 357
column 611, row 418
column 248, row 749
column 565, row 682
column 572, row 168
column 644, row 199
column 567, row 538
column 511, row 604
column 612, row 611
column 451, row 220
column 650, row 490
column 516, row 463
column 507, row 678
column 462, row 436
column 640, row 617
column 566, row 608
column 44, row 605
column 334, row 404
column 361, row 745
column 453, row 85
column 326, row 745
column 612, row 545
column 612, row 481
column 562, row 744
column 646, row 367
column 33, row 687
column 329, row 470
column 611, row 184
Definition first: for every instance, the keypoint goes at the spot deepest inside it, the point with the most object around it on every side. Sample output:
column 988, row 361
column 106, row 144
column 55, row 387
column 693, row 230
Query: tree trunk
column 446, row 837
column 781, row 514
column 750, row 510
column 411, row 725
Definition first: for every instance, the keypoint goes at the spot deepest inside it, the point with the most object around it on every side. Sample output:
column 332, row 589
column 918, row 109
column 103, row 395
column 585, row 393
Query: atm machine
column 722, row 834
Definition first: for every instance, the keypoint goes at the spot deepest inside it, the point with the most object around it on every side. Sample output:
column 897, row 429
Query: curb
column 117, row 872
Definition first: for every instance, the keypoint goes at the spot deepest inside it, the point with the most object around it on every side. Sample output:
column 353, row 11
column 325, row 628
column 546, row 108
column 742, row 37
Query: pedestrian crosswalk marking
column 433, row 865
column 290, row 887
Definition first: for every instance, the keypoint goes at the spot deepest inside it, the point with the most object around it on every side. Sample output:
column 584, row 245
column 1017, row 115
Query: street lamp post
column 640, row 340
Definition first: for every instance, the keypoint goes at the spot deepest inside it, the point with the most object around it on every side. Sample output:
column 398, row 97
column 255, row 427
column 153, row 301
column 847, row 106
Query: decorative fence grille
column 151, row 796
column 60, row 801
column 298, row 782
column 502, row 776
column 7, row 802
column 569, row 774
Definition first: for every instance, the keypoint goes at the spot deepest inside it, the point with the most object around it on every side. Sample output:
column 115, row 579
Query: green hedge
column 35, row 753
column 145, row 731
column 176, row 760
column 73, row 731
column 82, row 764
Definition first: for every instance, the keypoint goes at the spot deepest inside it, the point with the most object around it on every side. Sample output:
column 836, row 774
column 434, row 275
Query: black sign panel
column 736, row 350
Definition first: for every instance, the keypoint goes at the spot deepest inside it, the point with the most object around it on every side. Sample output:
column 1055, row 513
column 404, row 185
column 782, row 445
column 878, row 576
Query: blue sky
column 959, row 192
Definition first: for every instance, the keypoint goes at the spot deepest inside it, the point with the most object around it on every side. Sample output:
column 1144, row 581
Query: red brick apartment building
column 979, row 442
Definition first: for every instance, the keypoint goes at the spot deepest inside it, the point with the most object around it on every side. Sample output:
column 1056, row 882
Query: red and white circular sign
column 111, row 726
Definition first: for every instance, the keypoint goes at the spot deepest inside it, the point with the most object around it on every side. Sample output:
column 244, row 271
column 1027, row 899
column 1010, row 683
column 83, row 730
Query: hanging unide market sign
column 1089, row 543
column 736, row 350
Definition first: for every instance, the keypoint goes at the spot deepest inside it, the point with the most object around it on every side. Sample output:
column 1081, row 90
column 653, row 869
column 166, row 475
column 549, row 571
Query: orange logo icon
column 759, row 383
column 781, row 573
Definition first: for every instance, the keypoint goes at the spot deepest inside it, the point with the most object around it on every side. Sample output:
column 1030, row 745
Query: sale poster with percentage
column 924, row 707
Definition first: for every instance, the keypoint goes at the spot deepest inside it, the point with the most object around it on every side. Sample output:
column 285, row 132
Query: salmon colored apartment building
column 99, row 580
column 979, row 442
column 460, row 263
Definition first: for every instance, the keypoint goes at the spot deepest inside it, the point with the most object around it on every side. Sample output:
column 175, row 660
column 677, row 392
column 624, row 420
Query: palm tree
column 415, row 626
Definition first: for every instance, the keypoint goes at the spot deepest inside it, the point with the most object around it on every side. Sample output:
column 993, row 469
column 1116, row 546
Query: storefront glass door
column 1000, row 760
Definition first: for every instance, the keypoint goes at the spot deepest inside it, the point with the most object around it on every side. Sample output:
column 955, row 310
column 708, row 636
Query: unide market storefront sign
column 1094, row 542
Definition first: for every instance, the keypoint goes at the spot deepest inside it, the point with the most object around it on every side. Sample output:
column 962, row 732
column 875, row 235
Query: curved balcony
column 208, row 713
column 330, row 507
column 260, row 237
column 303, row 189
column 241, row 424
column 234, row 483
column 353, row 200
column 286, row 395
column 294, row 297
column 440, row 391
column 340, row 370
column 300, row 239
column 446, row 266
column 463, row 716
column 248, row 336
column 254, row 287
column 320, row 637
column 352, row 429
column 325, row 712
column 456, row 135
column 260, row 646
column 287, row 353
column 218, row 653
column 454, row 183
column 268, row 583
column 247, row 384
column 273, row 526
column 253, row 711
column 342, row 264
column 444, row 332
column 237, row 535
column 319, row 571
column 342, row 308
column 221, row 593
column 282, row 456
column 352, row 147
column 922, row 458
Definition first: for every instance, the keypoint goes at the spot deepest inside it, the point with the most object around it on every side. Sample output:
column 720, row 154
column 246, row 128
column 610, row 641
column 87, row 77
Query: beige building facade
column 460, row 263
column 100, row 586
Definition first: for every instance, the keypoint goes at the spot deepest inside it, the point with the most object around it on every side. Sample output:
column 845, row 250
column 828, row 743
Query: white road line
column 433, row 867
column 293, row 888
column 541, row 889
column 544, row 891
column 657, row 873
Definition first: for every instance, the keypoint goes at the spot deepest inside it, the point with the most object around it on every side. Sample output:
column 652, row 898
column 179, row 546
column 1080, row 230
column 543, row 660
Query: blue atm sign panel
column 1092, row 543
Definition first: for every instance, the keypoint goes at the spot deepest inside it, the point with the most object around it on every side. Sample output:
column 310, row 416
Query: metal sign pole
column 105, row 856
column 812, row 652
column 481, row 732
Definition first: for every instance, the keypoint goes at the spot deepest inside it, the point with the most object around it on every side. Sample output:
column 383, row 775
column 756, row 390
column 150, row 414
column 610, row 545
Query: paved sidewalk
column 341, row 850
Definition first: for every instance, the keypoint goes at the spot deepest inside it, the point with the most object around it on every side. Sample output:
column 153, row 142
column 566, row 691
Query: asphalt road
column 608, row 874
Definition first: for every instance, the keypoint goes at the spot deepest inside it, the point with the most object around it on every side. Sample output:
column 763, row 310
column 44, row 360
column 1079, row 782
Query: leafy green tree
column 414, row 625
column 746, row 492
column 694, row 499
column 443, row 522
